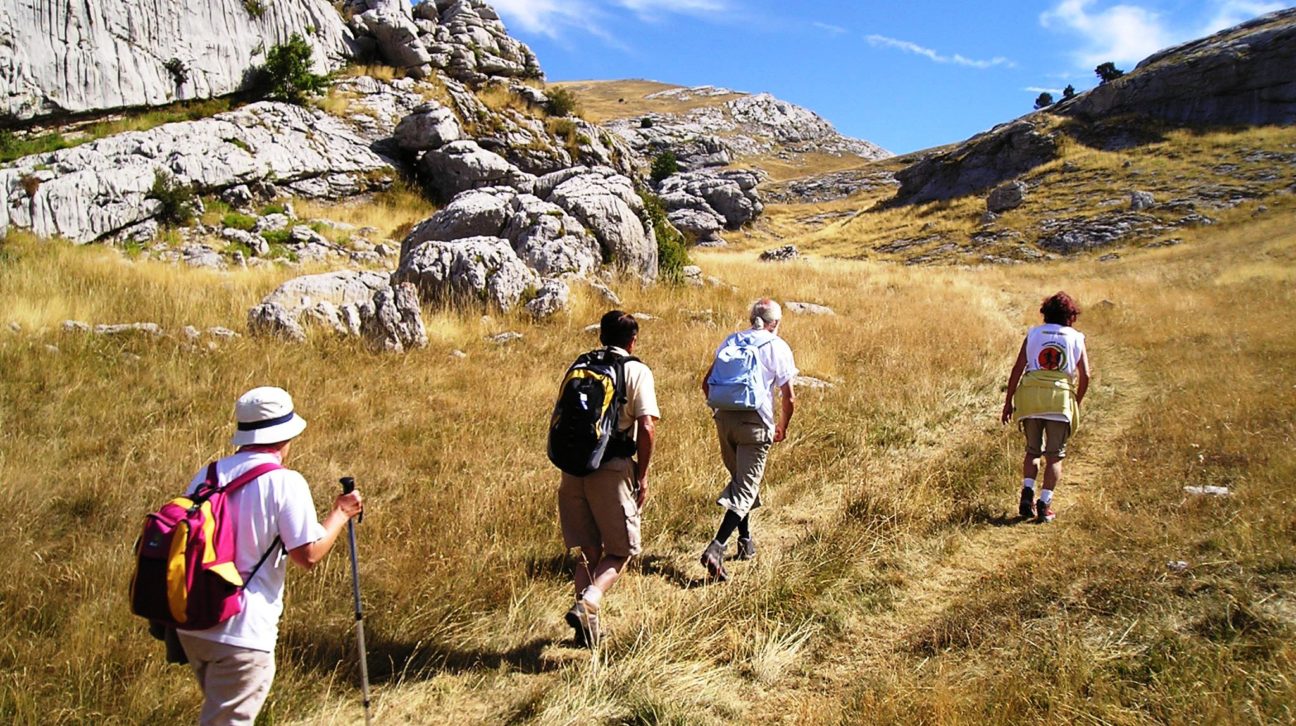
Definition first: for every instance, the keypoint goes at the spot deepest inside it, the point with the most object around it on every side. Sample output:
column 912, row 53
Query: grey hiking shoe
column 585, row 623
column 713, row 561
column 1044, row 512
column 746, row 548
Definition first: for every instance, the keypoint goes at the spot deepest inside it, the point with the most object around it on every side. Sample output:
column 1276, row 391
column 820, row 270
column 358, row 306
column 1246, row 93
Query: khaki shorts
column 599, row 510
column 1046, row 437
column 235, row 681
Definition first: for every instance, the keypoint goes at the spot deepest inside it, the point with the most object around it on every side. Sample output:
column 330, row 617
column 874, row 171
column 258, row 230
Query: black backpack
column 583, row 428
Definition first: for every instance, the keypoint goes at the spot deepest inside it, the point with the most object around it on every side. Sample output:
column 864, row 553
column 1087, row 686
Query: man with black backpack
column 606, row 414
column 274, row 515
column 748, row 368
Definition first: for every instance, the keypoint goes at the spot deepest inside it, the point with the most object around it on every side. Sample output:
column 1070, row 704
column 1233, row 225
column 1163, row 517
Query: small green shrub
column 272, row 209
column 1044, row 100
column 562, row 102
column 1108, row 72
column 238, row 220
column 277, row 237
column 287, row 74
column 664, row 165
column 178, row 70
column 177, row 199
column 645, row 123
column 1068, row 92
column 255, row 8
column 672, row 251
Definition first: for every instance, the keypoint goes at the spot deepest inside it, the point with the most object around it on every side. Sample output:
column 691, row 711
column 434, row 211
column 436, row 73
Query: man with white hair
column 275, row 515
column 740, row 385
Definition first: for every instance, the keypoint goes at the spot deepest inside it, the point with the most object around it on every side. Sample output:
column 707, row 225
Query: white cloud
column 1037, row 89
column 1231, row 12
column 1126, row 34
column 830, row 28
column 1122, row 34
column 882, row 41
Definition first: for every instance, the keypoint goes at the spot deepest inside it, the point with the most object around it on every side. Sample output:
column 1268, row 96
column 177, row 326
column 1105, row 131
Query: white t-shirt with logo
column 278, row 503
column 1053, row 347
column 777, row 367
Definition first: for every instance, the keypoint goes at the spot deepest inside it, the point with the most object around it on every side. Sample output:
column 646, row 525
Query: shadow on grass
column 660, row 566
column 393, row 661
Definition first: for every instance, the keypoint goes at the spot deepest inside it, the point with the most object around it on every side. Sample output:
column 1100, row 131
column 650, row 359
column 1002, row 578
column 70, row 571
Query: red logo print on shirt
column 1052, row 357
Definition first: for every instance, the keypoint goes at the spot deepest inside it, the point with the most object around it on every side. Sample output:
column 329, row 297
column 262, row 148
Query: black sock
column 730, row 522
column 744, row 531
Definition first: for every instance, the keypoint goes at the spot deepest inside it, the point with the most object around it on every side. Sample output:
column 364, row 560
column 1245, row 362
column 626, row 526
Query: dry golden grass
column 890, row 584
column 603, row 101
column 392, row 212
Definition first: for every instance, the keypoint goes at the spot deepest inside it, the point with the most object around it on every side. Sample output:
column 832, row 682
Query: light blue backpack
column 737, row 382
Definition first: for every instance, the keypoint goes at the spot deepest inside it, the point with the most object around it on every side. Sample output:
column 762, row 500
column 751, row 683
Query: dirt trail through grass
column 942, row 571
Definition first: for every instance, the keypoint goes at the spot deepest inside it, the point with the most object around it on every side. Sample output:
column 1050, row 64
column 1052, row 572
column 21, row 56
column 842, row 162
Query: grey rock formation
column 63, row 57
column 347, row 303
column 99, row 188
column 1242, row 75
column 430, row 126
column 730, row 195
column 542, row 234
column 828, row 187
column 1140, row 201
column 462, row 165
column 805, row 308
column 465, row 271
column 785, row 253
column 550, row 300
column 606, row 204
column 1006, row 197
column 983, row 161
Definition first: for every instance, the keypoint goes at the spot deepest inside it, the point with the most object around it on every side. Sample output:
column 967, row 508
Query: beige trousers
column 235, row 681
column 745, row 442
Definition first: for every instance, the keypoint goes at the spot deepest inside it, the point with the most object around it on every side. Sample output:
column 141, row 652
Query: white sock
column 1028, row 483
column 591, row 597
column 1046, row 496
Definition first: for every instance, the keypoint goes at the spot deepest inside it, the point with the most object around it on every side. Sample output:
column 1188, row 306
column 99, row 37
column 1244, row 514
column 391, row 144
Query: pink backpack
column 185, row 575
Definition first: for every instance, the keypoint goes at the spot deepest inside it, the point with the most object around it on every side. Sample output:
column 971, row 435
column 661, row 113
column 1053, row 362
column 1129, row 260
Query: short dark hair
column 1060, row 309
column 618, row 328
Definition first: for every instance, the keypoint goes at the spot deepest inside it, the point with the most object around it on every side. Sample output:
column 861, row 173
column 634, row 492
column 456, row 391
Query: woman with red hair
column 1045, row 388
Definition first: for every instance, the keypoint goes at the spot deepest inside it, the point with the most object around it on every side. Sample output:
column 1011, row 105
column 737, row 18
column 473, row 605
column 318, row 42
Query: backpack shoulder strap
column 247, row 476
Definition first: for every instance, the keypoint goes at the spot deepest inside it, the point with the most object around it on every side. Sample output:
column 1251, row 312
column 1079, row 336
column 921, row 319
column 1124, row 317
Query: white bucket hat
column 265, row 416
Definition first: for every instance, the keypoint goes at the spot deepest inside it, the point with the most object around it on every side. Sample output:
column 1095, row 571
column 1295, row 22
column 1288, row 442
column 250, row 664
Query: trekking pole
column 348, row 486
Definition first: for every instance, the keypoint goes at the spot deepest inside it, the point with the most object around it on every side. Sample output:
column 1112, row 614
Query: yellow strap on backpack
column 1041, row 392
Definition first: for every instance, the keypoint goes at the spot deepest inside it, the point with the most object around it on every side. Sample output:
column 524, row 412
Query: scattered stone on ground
column 505, row 338
column 1208, row 490
column 805, row 308
column 780, row 254
column 1006, row 197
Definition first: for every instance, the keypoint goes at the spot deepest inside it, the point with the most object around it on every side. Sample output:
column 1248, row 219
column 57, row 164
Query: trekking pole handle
column 348, row 486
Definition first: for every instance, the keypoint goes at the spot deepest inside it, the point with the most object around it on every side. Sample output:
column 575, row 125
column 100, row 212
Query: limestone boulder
column 99, row 188
column 550, row 300
column 480, row 270
column 607, row 205
column 462, row 165
column 348, row 302
column 430, row 126
column 59, row 57
column 1006, row 197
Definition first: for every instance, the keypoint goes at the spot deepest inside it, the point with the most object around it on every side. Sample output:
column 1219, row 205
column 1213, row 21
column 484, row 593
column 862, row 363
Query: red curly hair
column 1060, row 309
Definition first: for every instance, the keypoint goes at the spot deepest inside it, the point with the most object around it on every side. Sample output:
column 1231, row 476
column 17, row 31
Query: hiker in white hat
column 234, row 661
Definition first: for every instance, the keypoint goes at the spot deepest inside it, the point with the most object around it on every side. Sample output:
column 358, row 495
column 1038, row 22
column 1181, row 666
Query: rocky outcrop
column 701, row 203
column 977, row 164
column 828, row 187
column 748, row 125
column 543, row 235
column 607, row 204
column 1006, row 197
column 60, row 57
column 347, row 303
column 465, row 271
column 463, row 38
column 1242, row 75
column 102, row 187
column 463, row 165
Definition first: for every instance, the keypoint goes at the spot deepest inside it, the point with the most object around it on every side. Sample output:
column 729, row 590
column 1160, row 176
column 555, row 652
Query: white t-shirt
column 1053, row 347
column 278, row 503
column 641, row 393
column 777, row 367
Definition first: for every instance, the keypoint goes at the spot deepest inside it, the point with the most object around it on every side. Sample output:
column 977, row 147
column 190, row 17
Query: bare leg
column 586, row 562
column 1052, row 472
column 607, row 571
column 1030, row 468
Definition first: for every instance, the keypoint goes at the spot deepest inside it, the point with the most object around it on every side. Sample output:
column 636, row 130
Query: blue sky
column 906, row 74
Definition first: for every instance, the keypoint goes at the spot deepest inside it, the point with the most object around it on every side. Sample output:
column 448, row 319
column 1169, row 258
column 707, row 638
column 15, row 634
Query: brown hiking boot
column 713, row 561
column 585, row 623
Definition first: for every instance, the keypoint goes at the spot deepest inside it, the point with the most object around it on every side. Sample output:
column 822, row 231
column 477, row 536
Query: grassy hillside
column 892, row 579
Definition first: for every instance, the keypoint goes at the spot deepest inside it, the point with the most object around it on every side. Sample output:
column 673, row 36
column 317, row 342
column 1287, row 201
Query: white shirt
column 278, row 503
column 777, row 367
column 1053, row 347
column 641, row 393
